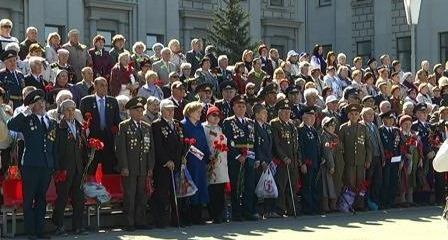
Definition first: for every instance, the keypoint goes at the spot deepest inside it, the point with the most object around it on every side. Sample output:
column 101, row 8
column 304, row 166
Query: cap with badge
column 238, row 99
column 327, row 121
column 8, row 54
column 420, row 107
column 227, row 85
column 292, row 53
column 367, row 98
column 309, row 110
column 283, row 104
column 270, row 88
column 33, row 97
column 204, row 87
column 388, row 114
column 292, row 90
column 350, row 91
column 136, row 102
column 352, row 107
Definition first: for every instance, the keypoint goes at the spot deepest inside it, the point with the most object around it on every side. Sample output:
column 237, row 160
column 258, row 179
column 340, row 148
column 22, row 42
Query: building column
column 92, row 26
column 172, row 20
column 383, row 28
column 254, row 8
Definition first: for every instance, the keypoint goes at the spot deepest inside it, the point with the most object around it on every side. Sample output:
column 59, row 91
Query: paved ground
column 415, row 223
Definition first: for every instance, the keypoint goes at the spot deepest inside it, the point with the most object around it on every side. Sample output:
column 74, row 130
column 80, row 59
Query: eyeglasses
column 6, row 26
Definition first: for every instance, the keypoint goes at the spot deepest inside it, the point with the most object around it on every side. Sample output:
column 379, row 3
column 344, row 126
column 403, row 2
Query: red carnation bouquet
column 219, row 146
column 331, row 145
column 13, row 172
column 434, row 140
column 94, row 145
column 48, row 87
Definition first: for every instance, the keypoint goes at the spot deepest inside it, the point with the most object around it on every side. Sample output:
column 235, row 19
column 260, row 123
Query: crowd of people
column 325, row 129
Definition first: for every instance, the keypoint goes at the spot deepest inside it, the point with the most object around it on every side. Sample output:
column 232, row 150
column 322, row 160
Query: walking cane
column 291, row 191
column 175, row 199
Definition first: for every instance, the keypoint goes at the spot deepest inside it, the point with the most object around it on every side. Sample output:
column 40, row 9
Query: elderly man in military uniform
column 350, row 96
column 39, row 132
column 205, row 93
column 269, row 97
column 228, row 91
column 311, row 155
column 286, row 157
column 135, row 152
column 293, row 95
column 331, row 110
column 11, row 79
column 423, row 129
column 239, row 131
column 168, row 151
column 357, row 151
column 390, row 137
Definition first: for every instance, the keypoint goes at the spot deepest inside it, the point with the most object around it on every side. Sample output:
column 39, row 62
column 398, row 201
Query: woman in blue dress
column 196, row 166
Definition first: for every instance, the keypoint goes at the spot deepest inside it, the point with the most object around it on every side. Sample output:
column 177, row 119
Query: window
column 54, row 28
column 107, row 37
column 364, row 50
column 323, row 3
column 276, row 3
column 443, row 47
column 404, row 52
column 151, row 39
column 326, row 49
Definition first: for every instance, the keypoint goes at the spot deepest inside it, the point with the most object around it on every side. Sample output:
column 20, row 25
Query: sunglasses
column 6, row 26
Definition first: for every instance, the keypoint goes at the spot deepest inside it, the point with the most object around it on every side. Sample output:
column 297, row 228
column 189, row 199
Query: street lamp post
column 412, row 8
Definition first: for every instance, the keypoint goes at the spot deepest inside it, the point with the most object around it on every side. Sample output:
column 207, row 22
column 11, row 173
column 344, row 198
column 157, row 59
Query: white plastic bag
column 266, row 187
column 96, row 190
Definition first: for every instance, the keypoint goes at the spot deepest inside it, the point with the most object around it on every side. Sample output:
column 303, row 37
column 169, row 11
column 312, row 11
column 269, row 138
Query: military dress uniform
column 168, row 146
column 12, row 81
column 224, row 105
column 240, row 137
column 135, row 152
column 263, row 152
column 286, row 146
column 311, row 155
column 392, row 141
column 356, row 153
column 37, row 162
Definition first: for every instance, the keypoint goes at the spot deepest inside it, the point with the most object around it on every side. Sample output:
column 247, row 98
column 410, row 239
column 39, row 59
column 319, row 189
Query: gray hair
column 122, row 100
column 152, row 100
column 185, row 65
column 138, row 44
column 63, row 93
column 29, row 29
column 123, row 55
column 12, row 46
column 67, row 103
column 33, row 61
column 222, row 57
column 408, row 105
column 5, row 21
column 310, row 91
column 165, row 49
column 156, row 45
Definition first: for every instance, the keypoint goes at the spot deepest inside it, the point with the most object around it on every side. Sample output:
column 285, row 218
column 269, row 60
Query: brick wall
column 362, row 23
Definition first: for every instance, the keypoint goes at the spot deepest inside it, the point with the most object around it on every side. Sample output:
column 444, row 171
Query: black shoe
column 43, row 236
column 143, row 227
column 129, row 229
column 81, row 232
column 60, row 231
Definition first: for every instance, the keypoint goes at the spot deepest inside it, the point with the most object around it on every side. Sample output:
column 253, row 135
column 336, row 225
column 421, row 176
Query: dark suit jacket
column 70, row 152
column 88, row 104
column 391, row 141
column 194, row 59
column 167, row 143
column 263, row 143
column 178, row 112
column 31, row 81
column 225, row 108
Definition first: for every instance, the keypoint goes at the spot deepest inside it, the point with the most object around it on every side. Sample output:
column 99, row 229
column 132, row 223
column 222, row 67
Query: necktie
column 139, row 129
column 102, row 112
column 44, row 126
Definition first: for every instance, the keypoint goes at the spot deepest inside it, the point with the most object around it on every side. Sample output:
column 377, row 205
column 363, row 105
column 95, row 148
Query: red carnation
column 95, row 143
column 49, row 87
column 308, row 163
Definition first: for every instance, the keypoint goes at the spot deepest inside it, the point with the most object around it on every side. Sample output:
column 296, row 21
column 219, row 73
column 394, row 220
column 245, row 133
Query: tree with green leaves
column 229, row 31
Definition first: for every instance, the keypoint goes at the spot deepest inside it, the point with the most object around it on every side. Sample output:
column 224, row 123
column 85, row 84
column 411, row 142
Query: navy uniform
column 223, row 104
column 352, row 93
column 263, row 151
column 135, row 152
column 207, row 87
column 269, row 89
column 286, row 147
column 391, row 139
column 240, row 136
column 311, row 155
column 37, row 162
column 296, row 109
column 12, row 80
column 422, row 129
